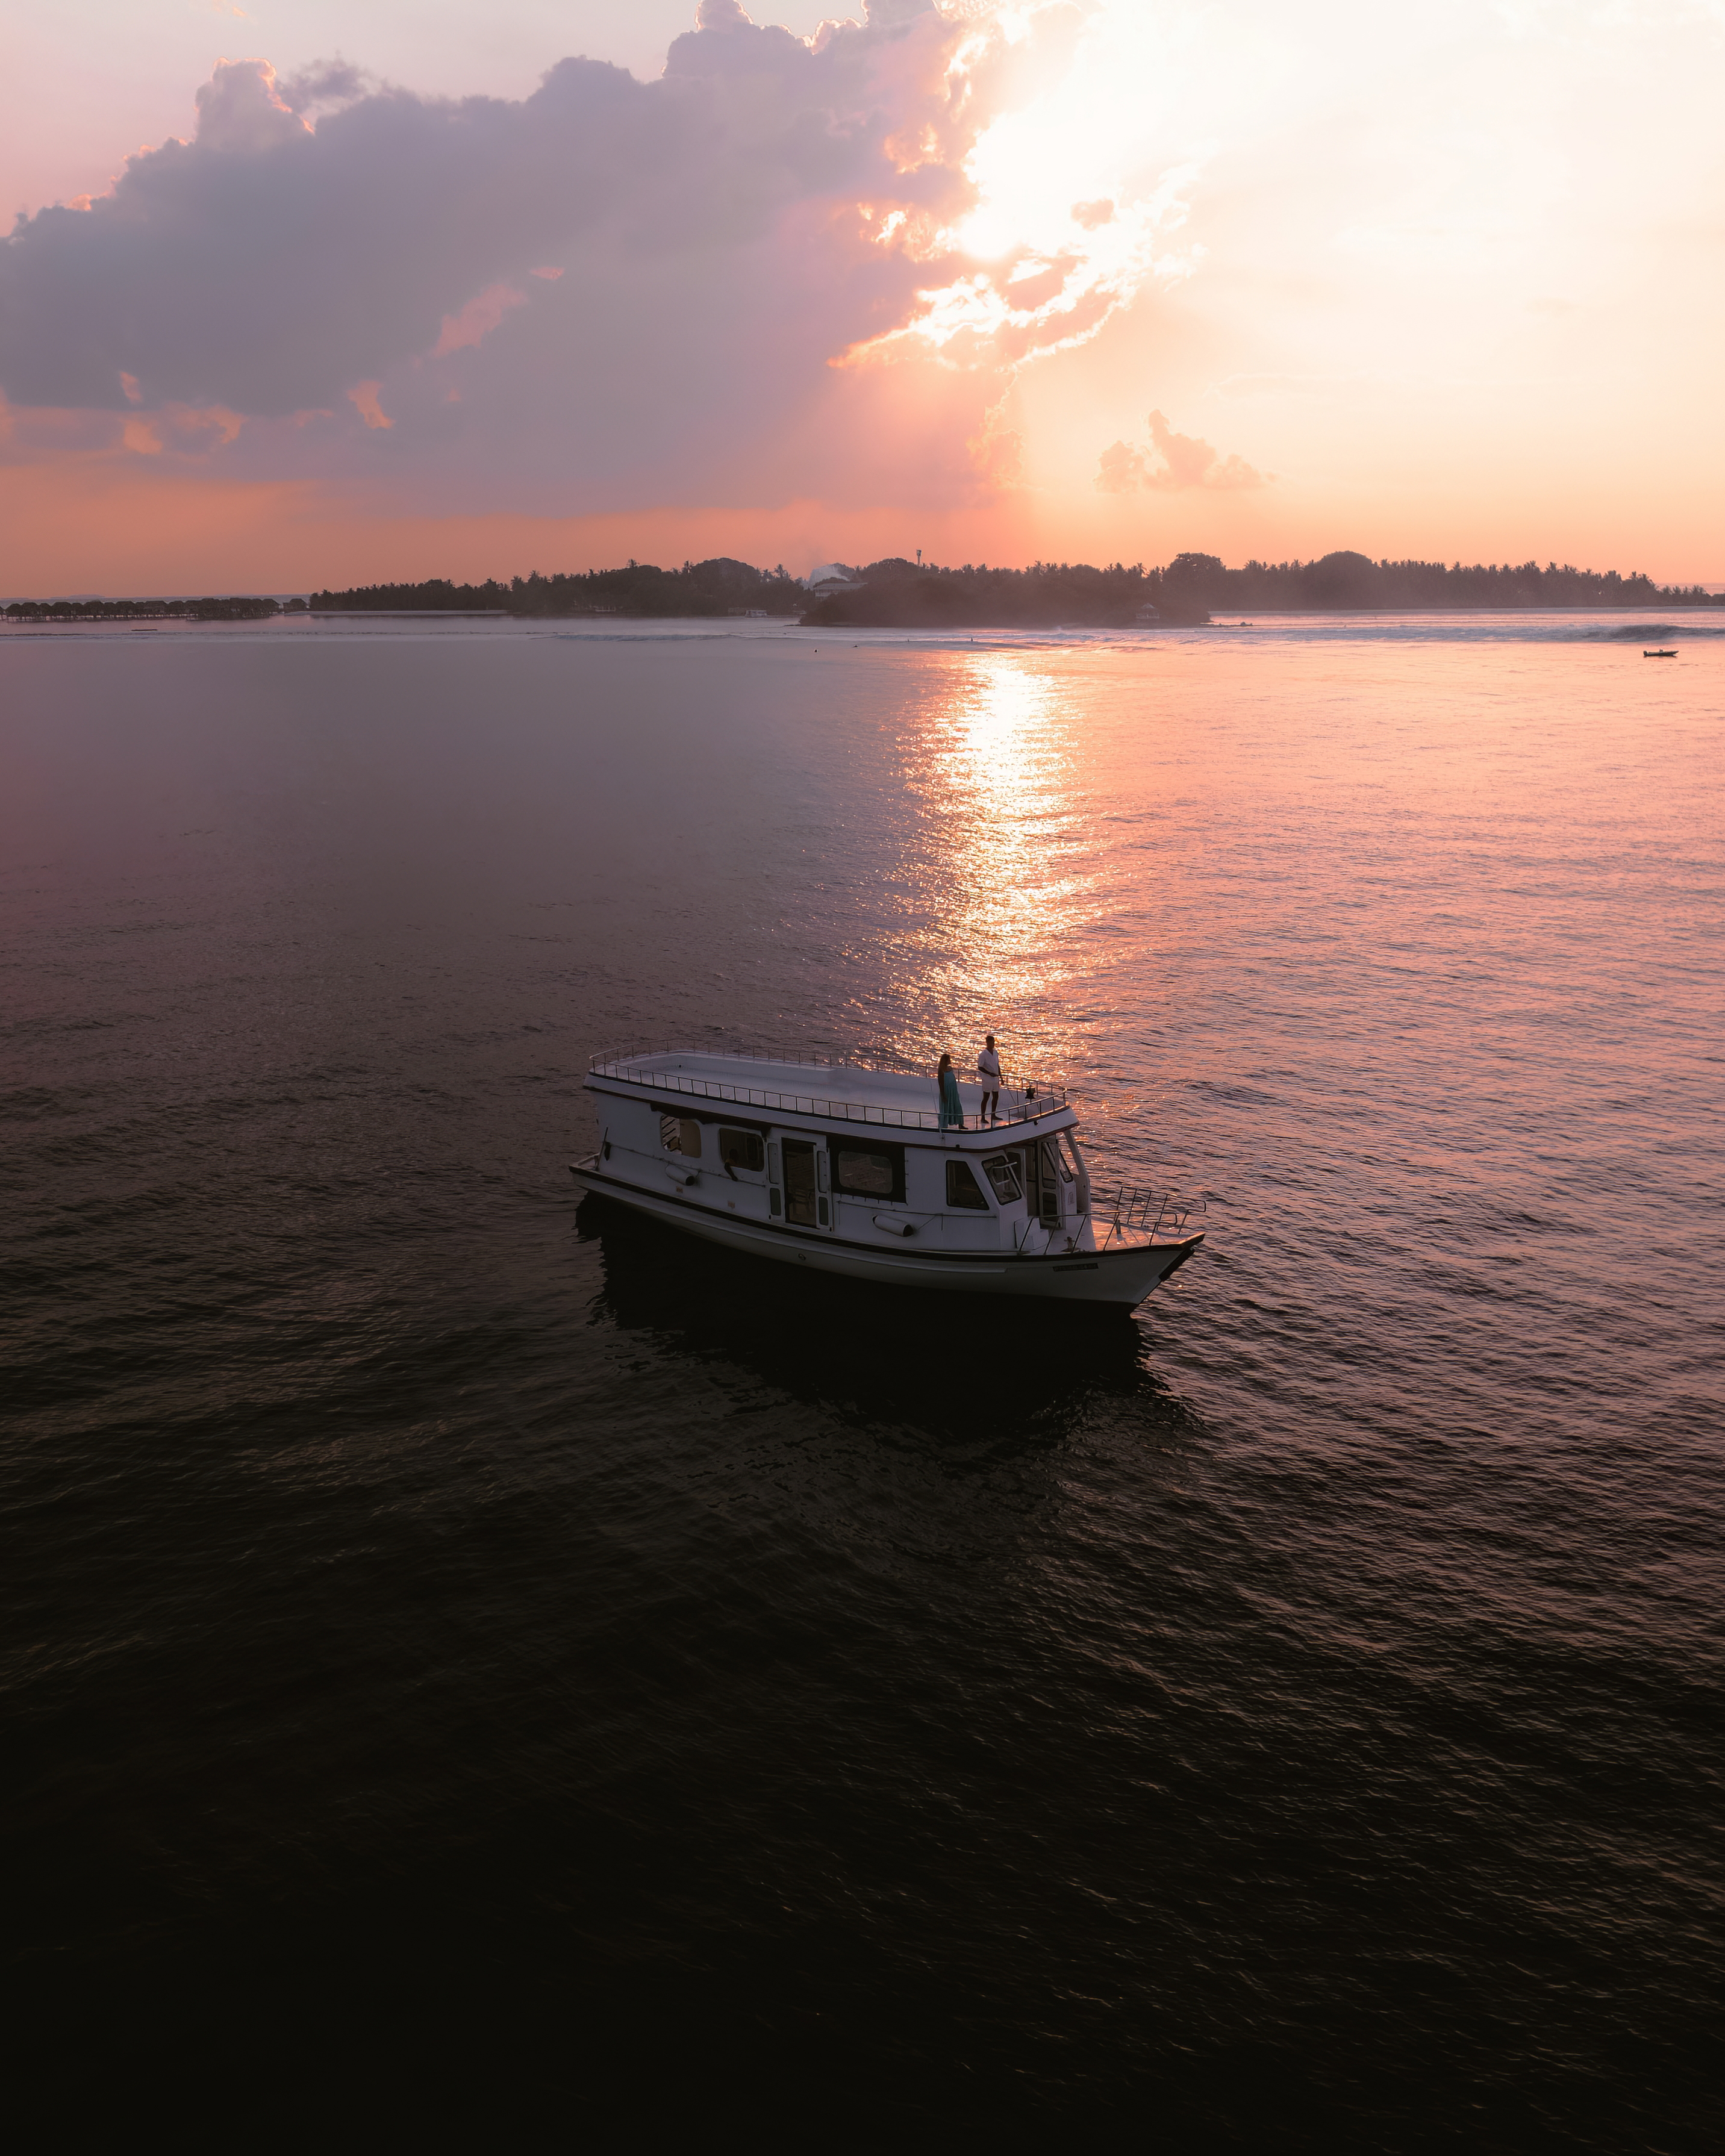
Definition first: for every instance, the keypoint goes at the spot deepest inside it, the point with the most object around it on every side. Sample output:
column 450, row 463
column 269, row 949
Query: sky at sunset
column 300, row 294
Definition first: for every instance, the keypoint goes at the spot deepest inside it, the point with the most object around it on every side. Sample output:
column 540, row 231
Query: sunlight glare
column 1072, row 201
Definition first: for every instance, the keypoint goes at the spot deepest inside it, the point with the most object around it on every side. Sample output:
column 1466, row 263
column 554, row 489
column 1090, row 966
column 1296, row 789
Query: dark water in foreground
column 470, row 1664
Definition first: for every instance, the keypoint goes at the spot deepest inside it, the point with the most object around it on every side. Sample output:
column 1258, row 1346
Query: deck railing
column 1133, row 1210
column 1020, row 1102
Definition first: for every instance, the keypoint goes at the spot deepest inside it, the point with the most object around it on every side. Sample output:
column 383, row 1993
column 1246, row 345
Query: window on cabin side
column 1003, row 1171
column 963, row 1188
column 680, row 1134
column 741, row 1149
column 867, row 1174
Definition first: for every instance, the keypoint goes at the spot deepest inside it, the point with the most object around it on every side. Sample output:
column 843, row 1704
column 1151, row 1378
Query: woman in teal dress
column 952, row 1107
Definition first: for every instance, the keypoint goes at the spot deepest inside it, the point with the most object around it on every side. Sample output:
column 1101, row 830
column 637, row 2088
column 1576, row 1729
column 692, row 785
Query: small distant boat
column 1659, row 654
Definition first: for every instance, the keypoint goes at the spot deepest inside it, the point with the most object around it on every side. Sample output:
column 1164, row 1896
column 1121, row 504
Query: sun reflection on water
column 994, row 769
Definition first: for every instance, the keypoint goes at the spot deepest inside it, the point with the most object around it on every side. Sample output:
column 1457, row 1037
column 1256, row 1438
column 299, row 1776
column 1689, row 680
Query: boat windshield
column 1003, row 1171
column 963, row 1188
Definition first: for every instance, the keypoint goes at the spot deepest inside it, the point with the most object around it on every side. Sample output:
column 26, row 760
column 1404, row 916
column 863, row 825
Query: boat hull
column 1119, row 1278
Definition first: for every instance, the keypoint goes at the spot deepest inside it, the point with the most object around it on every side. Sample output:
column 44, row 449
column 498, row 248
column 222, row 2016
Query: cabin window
column 868, row 1171
column 1080, row 1173
column 963, row 1188
column 1003, row 1171
column 680, row 1134
column 741, row 1149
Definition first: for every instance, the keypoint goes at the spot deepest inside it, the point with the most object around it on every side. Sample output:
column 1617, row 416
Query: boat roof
column 812, row 1086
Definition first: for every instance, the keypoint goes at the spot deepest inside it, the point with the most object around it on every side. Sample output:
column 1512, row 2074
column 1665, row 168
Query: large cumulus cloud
column 272, row 266
column 264, row 265
column 610, row 289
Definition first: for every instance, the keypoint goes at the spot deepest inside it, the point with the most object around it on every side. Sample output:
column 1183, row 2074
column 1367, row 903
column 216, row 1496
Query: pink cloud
column 364, row 397
column 1172, row 464
column 480, row 317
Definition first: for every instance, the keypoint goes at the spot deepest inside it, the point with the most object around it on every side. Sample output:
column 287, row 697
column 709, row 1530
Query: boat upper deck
column 809, row 1085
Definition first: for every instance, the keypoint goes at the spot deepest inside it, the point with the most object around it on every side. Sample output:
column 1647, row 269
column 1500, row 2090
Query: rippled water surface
column 471, row 1658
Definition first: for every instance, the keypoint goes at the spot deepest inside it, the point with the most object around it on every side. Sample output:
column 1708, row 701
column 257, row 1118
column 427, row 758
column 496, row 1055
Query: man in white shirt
column 987, row 1068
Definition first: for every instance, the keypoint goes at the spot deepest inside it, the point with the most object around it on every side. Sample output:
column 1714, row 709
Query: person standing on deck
column 952, row 1107
column 987, row 1068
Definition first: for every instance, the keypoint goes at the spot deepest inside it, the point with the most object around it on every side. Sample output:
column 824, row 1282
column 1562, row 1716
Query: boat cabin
column 843, row 1151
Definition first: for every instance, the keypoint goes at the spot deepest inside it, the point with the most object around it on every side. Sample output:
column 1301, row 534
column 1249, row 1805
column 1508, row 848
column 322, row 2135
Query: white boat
column 845, row 1168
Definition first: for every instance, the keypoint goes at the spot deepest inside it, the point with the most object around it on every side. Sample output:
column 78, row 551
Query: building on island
column 831, row 579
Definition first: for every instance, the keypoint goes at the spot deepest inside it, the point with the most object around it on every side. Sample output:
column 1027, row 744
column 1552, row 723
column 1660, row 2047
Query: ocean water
column 472, row 1661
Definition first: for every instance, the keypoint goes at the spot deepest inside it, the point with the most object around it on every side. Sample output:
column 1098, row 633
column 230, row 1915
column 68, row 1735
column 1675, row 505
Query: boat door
column 1044, row 1172
column 808, row 1192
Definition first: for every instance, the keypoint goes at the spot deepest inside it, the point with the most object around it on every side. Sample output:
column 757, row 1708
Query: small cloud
column 1039, row 278
column 1173, row 462
column 141, row 437
column 550, row 275
column 1093, row 216
column 364, row 397
column 201, row 427
column 129, row 383
column 479, row 317
column 1121, row 470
